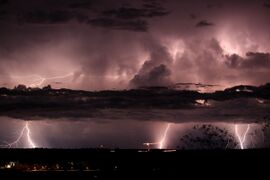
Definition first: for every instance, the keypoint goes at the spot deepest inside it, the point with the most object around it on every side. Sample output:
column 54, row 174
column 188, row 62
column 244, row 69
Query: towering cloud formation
column 119, row 44
column 154, row 72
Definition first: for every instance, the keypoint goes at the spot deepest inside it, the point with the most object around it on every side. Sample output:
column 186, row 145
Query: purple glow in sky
column 122, row 44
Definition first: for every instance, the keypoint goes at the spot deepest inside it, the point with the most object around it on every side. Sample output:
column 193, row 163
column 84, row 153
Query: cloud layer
column 109, row 45
column 238, row 104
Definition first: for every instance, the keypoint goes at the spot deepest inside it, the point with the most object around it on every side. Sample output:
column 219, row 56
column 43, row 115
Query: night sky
column 119, row 44
column 126, row 44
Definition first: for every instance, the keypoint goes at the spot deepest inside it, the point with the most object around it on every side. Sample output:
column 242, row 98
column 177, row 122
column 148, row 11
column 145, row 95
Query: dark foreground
column 132, row 164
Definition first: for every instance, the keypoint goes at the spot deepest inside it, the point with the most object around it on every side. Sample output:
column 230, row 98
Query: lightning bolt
column 26, row 130
column 38, row 81
column 241, row 137
column 41, row 80
column 162, row 142
column 29, row 139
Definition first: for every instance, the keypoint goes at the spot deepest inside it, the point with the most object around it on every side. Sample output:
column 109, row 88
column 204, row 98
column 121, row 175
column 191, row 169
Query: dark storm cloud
column 236, row 110
column 253, row 66
column 204, row 23
column 233, row 60
column 133, row 13
column 128, row 17
column 81, row 4
column 132, row 25
column 44, row 12
column 157, row 76
column 240, row 103
column 253, row 60
column 257, row 60
column 154, row 72
column 267, row 5
column 191, row 85
column 133, row 18
column 51, row 17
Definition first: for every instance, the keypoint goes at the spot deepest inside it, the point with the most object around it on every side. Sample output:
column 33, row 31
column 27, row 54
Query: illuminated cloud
column 119, row 45
column 157, row 76
column 154, row 72
column 111, row 45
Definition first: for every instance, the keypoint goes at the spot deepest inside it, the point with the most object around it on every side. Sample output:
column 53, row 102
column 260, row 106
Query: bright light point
column 241, row 137
column 202, row 102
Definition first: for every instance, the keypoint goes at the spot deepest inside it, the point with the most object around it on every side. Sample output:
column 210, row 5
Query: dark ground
column 133, row 164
